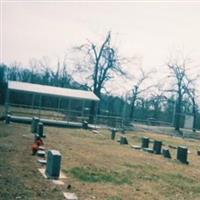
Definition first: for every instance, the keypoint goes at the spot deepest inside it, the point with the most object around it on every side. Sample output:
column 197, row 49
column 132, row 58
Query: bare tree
column 102, row 63
column 181, row 87
column 138, row 89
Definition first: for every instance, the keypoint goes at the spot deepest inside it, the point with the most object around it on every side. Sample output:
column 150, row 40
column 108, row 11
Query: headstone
column 41, row 153
column 70, row 196
column 42, row 161
column 198, row 152
column 182, row 154
column 8, row 117
column 136, row 147
column 40, row 129
column 35, row 121
column 145, row 142
column 157, row 145
column 85, row 124
column 53, row 164
column 166, row 153
column 41, row 148
column 188, row 122
column 123, row 140
column 149, row 150
column 113, row 133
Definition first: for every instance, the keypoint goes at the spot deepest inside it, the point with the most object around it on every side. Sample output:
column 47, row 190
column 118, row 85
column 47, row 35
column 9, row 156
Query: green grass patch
column 93, row 175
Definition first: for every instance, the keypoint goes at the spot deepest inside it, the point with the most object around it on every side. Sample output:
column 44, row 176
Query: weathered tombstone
column 34, row 124
column 123, row 140
column 8, row 117
column 182, row 154
column 198, row 152
column 149, row 150
column 40, row 129
column 85, row 124
column 123, row 131
column 136, row 147
column 113, row 133
column 145, row 142
column 157, row 145
column 166, row 153
column 41, row 153
column 53, row 164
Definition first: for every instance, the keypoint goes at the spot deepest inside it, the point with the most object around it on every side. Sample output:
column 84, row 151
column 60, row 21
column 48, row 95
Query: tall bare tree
column 181, row 87
column 102, row 63
column 138, row 89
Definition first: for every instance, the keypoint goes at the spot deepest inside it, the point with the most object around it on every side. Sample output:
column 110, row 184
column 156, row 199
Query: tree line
column 101, row 63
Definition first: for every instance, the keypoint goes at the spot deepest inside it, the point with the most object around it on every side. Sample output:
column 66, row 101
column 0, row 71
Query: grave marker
column 182, row 152
column 113, row 133
column 145, row 142
column 157, row 145
column 53, row 164
column 40, row 129
column 35, row 121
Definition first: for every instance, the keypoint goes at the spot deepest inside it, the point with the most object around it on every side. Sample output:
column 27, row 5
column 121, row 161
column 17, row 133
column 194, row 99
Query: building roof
column 52, row 91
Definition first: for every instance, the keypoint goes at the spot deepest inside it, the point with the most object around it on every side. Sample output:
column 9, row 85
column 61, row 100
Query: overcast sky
column 150, row 30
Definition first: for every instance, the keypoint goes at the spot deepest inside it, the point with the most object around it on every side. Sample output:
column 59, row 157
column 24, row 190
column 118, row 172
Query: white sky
column 148, row 29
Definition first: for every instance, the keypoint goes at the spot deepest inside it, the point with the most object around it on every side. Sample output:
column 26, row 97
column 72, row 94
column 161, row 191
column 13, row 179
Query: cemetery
column 102, row 164
column 99, row 100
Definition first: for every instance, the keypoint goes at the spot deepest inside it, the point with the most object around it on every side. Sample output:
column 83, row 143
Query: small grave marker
column 113, row 133
column 157, row 145
column 8, row 117
column 123, row 140
column 34, row 124
column 40, row 129
column 41, row 153
column 70, row 196
column 166, row 153
column 145, row 142
column 85, row 124
column 149, row 150
column 182, row 152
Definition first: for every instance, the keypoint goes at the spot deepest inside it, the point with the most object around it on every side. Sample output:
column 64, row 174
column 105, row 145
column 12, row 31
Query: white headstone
column 188, row 121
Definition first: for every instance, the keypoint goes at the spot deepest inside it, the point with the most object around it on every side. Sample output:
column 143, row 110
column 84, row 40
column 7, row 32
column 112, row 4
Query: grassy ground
column 96, row 167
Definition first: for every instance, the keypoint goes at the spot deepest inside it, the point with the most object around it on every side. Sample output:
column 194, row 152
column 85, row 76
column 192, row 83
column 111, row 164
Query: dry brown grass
column 149, row 176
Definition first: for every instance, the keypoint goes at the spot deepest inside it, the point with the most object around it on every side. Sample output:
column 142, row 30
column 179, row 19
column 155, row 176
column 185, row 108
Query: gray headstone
column 85, row 125
column 40, row 129
column 41, row 153
column 166, row 153
column 182, row 154
column 157, row 145
column 113, row 133
column 123, row 140
column 53, row 164
column 145, row 142
column 8, row 118
column 150, row 150
column 34, row 124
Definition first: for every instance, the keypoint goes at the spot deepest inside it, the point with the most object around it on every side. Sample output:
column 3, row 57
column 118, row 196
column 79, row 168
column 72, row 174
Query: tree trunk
column 177, row 113
column 194, row 114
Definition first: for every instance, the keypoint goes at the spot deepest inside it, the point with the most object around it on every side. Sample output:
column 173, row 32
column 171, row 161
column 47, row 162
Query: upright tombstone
column 181, row 156
column 145, row 142
column 40, row 129
column 85, row 124
column 123, row 140
column 166, row 153
column 53, row 164
column 34, row 124
column 113, row 133
column 157, row 145
column 7, row 120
